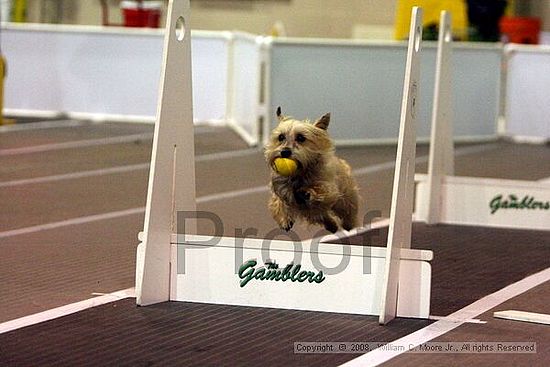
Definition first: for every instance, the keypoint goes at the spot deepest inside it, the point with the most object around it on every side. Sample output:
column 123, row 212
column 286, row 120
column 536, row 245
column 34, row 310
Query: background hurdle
column 441, row 156
column 442, row 197
column 186, row 267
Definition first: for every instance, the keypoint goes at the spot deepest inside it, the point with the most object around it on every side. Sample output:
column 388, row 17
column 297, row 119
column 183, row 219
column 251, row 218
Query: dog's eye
column 300, row 138
column 281, row 137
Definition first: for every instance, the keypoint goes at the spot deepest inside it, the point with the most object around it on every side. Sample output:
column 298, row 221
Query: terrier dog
column 322, row 189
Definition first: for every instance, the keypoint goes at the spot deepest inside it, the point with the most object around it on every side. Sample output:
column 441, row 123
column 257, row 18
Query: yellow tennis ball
column 285, row 166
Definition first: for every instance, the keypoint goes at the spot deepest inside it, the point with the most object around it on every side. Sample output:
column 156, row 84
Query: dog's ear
column 280, row 114
column 323, row 122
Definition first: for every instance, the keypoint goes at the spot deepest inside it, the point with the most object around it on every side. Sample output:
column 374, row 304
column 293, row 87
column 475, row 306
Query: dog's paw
column 331, row 226
column 348, row 226
column 287, row 226
column 302, row 197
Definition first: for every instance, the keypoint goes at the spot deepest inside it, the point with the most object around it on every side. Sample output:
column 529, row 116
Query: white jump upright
column 441, row 157
column 300, row 275
column 172, row 173
column 399, row 232
column 442, row 197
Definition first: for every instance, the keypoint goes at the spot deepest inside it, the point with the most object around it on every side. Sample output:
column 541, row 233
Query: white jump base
column 488, row 202
column 533, row 317
column 211, row 276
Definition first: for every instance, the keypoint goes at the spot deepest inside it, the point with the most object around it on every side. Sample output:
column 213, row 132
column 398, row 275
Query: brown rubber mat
column 472, row 262
column 469, row 263
column 88, row 130
column 217, row 139
column 190, row 334
column 495, row 330
column 52, row 267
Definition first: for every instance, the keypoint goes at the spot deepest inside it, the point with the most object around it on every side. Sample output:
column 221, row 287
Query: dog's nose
column 286, row 152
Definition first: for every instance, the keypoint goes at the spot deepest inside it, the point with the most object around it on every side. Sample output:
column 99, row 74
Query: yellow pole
column 432, row 10
column 2, row 74
column 511, row 8
column 20, row 11
column 18, row 15
column 3, row 121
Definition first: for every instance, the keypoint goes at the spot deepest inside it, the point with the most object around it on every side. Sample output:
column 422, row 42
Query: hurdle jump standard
column 390, row 282
column 442, row 197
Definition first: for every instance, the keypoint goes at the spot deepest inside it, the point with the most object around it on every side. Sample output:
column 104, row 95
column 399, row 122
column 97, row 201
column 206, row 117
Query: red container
column 520, row 29
column 145, row 14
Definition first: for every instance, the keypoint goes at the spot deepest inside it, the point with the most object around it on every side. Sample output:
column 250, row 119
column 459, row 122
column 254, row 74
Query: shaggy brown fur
column 322, row 190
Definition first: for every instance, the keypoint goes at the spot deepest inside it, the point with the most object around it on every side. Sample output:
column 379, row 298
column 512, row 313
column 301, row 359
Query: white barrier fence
column 105, row 73
column 239, row 79
column 527, row 97
column 246, row 104
column 359, row 83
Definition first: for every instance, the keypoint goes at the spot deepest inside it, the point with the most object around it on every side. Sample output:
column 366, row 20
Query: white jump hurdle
column 393, row 281
column 399, row 232
column 442, row 197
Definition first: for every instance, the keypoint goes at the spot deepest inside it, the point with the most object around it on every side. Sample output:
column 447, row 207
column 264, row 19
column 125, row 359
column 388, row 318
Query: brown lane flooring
column 188, row 334
column 472, row 262
column 469, row 263
column 495, row 330
column 50, row 268
column 40, row 271
column 26, row 138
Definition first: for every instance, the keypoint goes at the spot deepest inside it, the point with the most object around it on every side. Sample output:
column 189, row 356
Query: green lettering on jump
column 271, row 271
column 512, row 201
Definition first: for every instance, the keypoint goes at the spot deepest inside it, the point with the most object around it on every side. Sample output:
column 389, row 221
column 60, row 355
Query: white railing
column 109, row 73
column 527, row 96
column 359, row 83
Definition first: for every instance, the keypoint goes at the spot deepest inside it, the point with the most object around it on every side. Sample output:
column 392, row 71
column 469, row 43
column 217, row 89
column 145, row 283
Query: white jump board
column 210, row 274
column 489, row 202
column 537, row 318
